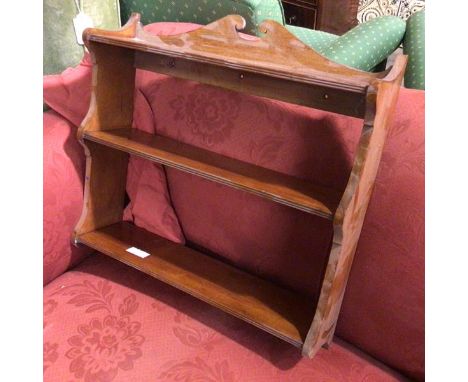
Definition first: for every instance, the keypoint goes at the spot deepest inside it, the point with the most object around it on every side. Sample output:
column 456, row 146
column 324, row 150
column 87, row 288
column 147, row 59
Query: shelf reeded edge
column 281, row 188
column 277, row 310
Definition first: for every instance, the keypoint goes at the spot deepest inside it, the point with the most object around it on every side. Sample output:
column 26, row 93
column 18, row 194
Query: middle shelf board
column 279, row 311
column 281, row 188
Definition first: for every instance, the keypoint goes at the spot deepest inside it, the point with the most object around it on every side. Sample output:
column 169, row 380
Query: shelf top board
column 278, row 53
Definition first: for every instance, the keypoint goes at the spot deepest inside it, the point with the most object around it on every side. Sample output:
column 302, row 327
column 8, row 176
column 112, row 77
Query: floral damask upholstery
column 106, row 322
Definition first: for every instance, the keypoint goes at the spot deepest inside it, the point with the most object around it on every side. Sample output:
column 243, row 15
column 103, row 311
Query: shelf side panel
column 112, row 88
column 105, row 183
column 351, row 212
column 111, row 106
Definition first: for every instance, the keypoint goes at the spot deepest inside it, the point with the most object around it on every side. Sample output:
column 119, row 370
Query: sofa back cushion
column 203, row 11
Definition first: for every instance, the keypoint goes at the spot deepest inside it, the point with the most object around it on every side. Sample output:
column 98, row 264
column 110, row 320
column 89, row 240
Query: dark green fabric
column 414, row 47
column 364, row 47
column 60, row 49
column 203, row 11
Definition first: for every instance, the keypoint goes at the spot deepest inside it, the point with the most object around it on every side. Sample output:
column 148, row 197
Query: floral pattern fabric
column 105, row 322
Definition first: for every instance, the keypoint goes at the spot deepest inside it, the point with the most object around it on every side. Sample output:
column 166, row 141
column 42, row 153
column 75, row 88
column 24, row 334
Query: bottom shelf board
column 277, row 310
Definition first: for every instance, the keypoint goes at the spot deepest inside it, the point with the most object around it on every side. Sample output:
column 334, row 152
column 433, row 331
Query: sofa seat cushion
column 104, row 321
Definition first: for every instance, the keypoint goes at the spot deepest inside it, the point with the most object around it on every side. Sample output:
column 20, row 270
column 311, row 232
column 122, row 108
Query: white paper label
column 81, row 22
column 137, row 252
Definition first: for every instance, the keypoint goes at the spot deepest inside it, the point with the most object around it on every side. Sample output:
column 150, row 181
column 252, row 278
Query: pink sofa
column 104, row 321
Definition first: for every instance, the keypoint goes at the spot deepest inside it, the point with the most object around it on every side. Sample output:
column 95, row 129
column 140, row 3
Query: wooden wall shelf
column 276, row 66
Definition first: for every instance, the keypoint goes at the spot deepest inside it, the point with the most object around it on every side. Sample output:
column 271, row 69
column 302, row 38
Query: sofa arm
column 64, row 165
column 254, row 11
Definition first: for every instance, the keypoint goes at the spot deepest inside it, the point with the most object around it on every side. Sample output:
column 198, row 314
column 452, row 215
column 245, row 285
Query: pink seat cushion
column 106, row 322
